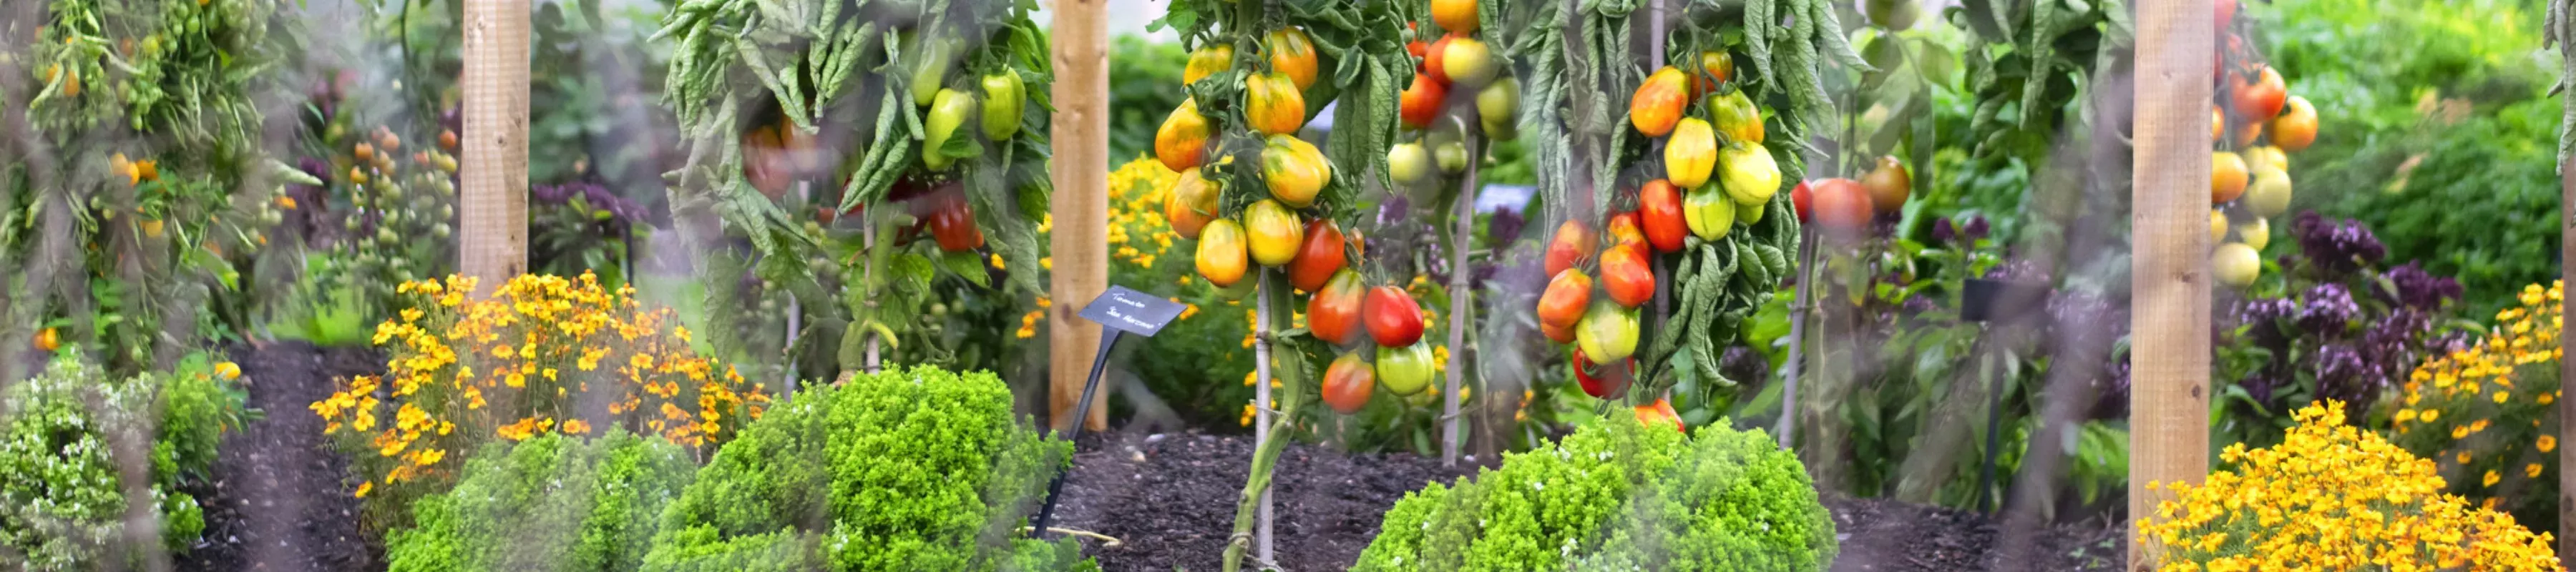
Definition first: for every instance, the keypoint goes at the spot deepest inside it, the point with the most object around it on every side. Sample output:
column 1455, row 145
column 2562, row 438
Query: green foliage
column 324, row 312
column 63, row 503
column 1144, row 87
column 918, row 469
column 1618, row 496
column 554, row 502
column 2435, row 132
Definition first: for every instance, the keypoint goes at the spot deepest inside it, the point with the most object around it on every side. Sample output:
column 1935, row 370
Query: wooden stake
column 2566, row 367
column 1080, row 243
column 493, row 244
column 2169, row 270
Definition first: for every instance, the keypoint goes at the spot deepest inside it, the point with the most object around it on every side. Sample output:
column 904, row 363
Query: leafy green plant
column 1144, row 86
column 1619, row 495
column 555, row 502
column 918, row 469
column 63, row 501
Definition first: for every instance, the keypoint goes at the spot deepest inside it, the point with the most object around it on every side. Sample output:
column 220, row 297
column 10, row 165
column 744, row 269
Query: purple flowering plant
column 2335, row 321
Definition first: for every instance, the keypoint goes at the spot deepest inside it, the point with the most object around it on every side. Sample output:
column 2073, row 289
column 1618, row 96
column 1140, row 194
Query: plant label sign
column 1127, row 310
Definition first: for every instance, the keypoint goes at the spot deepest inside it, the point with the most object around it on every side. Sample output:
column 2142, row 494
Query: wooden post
column 2566, row 367
column 1080, row 244
column 493, row 246
column 2169, row 395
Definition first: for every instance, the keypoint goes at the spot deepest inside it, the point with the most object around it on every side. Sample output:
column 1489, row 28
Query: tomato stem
column 1292, row 388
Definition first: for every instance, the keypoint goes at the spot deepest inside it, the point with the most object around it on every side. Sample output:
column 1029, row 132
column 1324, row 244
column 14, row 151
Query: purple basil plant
column 2352, row 332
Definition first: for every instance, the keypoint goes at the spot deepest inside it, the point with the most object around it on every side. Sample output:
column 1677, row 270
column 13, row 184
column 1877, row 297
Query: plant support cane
column 1291, row 372
column 1461, row 239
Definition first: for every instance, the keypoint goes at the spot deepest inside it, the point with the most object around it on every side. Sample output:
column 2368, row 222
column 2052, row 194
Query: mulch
column 279, row 497
column 1169, row 499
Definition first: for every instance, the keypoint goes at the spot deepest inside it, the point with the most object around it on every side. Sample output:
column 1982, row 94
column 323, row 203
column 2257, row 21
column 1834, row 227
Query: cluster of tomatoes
column 1847, row 208
column 1274, row 232
column 2254, row 123
column 1456, row 64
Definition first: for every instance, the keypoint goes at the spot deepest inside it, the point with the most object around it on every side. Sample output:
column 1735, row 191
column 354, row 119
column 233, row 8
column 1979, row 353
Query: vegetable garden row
column 1453, row 285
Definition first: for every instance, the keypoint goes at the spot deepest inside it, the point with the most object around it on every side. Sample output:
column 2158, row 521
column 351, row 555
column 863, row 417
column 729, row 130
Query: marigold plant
column 2332, row 497
column 2485, row 414
column 542, row 355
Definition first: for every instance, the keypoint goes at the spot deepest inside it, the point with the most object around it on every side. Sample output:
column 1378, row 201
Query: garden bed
column 1169, row 500
column 279, row 498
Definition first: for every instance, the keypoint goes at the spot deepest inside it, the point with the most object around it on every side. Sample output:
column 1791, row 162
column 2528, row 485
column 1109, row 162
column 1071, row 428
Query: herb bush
column 1618, row 496
column 2335, row 322
column 2486, row 415
column 2331, row 497
column 918, row 469
column 63, row 503
column 549, row 503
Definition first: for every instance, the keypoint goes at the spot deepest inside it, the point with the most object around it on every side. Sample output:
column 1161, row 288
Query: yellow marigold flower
column 2432, row 415
column 428, row 457
column 576, row 427
column 2500, row 396
column 2491, row 478
column 2547, row 443
column 364, row 488
column 2464, row 457
column 227, row 370
column 2531, row 470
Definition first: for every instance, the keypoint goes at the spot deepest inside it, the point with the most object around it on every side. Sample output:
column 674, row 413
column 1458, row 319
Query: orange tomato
column 1420, row 102
column 1333, row 313
column 1292, row 53
column 1191, row 204
column 1221, row 253
column 1626, row 274
column 2228, row 176
column 1456, row 16
column 1274, row 233
column 1348, row 383
column 1562, row 304
column 1714, row 68
column 1182, row 141
column 2259, row 99
column 1659, row 102
column 1294, row 170
column 1207, row 61
column 1661, row 412
column 2296, row 128
column 48, row 340
column 1273, row 104
column 1573, row 244
column 1624, row 229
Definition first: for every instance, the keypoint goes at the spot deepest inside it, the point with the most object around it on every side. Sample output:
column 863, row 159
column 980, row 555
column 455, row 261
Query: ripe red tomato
column 2260, row 99
column 1333, row 313
column 1393, row 319
column 1572, row 244
column 1627, row 275
column 1319, row 258
column 1603, row 381
column 1659, row 102
column 1558, row 334
column 1843, row 205
column 1659, row 206
column 953, row 225
column 1800, row 198
column 1420, row 103
column 1563, row 303
column 1348, row 383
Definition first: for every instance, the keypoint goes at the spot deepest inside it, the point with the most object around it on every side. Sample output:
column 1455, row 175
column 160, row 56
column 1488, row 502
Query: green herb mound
column 918, row 469
column 68, row 432
column 1618, row 496
column 550, row 503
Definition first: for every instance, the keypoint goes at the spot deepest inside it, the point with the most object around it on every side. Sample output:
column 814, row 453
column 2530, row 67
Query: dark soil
column 279, row 499
column 1170, row 500
column 1880, row 535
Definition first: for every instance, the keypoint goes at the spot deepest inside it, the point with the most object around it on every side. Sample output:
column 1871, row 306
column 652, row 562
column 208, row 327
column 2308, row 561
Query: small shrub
column 63, row 503
column 2486, row 416
column 549, row 503
column 543, row 355
column 2331, row 497
column 918, row 469
column 1618, row 496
